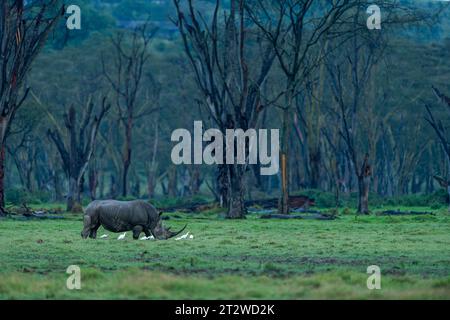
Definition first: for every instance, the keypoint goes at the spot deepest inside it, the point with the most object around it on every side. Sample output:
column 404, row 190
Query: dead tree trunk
column 126, row 75
column 441, row 132
column 236, row 204
column 218, row 54
column 23, row 32
column 172, row 181
column 283, row 207
column 2, row 176
column 75, row 152
column 73, row 195
column 363, row 187
column 126, row 156
column 93, row 182
column 222, row 184
column 153, row 165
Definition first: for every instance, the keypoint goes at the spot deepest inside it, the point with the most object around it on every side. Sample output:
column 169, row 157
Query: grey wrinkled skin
column 119, row 216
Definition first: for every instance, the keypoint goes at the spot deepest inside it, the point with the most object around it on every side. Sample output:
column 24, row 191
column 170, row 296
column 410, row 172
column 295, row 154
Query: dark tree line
column 338, row 91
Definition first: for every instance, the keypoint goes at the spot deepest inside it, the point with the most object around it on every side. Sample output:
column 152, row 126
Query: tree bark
column 283, row 207
column 2, row 179
column 195, row 180
column 363, row 195
column 127, row 155
column 236, row 204
column 314, row 160
column 363, row 187
column 222, row 184
column 73, row 196
column 112, row 187
column 172, row 182
column 93, row 183
column 57, row 186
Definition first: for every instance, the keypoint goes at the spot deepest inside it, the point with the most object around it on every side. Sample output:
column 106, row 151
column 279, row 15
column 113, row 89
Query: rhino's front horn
column 173, row 234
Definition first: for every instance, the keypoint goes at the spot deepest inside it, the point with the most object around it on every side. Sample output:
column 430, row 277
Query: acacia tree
column 23, row 32
column 219, row 51
column 294, row 28
column 442, row 135
column 125, row 75
column 354, row 109
column 351, row 77
column 76, row 146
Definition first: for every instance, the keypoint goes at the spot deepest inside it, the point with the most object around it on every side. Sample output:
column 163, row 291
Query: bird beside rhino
column 119, row 216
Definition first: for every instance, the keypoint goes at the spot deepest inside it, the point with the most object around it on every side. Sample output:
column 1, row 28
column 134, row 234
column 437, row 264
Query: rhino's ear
column 160, row 213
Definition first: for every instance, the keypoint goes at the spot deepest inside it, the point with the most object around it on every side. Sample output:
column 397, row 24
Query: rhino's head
column 162, row 233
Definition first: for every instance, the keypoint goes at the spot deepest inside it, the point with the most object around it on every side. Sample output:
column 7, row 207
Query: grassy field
column 252, row 258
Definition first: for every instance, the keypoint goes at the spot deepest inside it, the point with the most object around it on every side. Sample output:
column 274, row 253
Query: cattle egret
column 122, row 236
column 147, row 238
column 104, row 236
column 184, row 236
column 191, row 237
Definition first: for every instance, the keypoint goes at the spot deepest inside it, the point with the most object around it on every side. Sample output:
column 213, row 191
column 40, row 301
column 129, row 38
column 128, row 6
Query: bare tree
column 126, row 75
column 219, row 51
column 356, row 67
column 23, row 32
column 294, row 28
column 442, row 135
column 76, row 146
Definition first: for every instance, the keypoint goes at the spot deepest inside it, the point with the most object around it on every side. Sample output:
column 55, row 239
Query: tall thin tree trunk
column 2, row 179
column 113, row 187
column 58, row 186
column 93, row 182
column 127, row 155
column 363, row 186
column 195, row 180
column 222, row 184
column 283, row 207
column 172, row 181
column 73, row 196
column 363, row 194
column 314, row 160
column 236, row 205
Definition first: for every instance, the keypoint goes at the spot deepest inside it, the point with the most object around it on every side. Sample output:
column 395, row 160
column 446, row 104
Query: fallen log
column 26, row 213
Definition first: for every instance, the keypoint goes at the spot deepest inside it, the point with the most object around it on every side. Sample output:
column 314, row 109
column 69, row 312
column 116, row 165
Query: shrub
column 17, row 196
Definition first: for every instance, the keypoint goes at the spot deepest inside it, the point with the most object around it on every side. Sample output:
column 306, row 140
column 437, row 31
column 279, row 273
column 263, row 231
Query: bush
column 435, row 200
column 18, row 196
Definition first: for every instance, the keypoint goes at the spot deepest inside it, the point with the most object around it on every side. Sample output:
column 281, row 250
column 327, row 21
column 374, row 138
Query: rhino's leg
column 86, row 227
column 147, row 232
column 93, row 233
column 137, row 231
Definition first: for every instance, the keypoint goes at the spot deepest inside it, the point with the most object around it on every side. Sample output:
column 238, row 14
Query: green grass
column 232, row 259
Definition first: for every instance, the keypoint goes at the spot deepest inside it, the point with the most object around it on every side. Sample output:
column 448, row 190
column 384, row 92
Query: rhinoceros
column 119, row 216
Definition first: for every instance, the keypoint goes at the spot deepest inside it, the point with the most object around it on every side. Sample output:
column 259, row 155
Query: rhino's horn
column 173, row 234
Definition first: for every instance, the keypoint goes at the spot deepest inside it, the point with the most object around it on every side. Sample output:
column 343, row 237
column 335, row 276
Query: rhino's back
column 118, row 216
